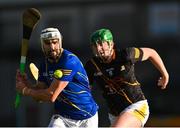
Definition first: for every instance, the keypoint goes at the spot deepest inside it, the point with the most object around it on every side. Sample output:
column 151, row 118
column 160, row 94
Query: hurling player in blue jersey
column 63, row 81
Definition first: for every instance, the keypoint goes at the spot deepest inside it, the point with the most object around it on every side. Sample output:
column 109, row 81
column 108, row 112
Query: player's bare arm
column 49, row 94
column 154, row 57
column 22, row 78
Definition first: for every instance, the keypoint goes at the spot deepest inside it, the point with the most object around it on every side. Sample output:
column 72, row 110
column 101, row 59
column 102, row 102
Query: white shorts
column 62, row 122
column 139, row 109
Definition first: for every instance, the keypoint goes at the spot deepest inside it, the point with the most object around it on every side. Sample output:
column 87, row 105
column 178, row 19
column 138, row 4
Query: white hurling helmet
column 50, row 33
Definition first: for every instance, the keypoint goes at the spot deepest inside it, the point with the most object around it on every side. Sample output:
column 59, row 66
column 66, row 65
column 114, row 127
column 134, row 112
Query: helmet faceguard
column 50, row 33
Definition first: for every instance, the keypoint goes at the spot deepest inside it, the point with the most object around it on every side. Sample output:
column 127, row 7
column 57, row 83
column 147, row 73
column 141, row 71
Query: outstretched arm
column 154, row 57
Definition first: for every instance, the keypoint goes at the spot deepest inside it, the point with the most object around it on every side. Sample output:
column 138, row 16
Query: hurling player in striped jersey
column 113, row 70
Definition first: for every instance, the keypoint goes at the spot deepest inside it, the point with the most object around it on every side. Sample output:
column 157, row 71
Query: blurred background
column 148, row 24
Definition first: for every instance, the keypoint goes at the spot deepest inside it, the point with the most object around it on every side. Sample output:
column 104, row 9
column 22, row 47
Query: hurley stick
column 30, row 18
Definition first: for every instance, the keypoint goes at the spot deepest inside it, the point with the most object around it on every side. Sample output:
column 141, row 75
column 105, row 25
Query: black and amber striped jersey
column 117, row 78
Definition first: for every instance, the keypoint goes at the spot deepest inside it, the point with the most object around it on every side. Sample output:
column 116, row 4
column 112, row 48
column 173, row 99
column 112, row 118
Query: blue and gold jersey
column 75, row 101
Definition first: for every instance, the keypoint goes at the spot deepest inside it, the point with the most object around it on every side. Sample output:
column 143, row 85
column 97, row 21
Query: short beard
column 53, row 58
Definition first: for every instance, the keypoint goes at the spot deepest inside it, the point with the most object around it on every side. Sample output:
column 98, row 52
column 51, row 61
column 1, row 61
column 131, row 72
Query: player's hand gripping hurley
column 30, row 18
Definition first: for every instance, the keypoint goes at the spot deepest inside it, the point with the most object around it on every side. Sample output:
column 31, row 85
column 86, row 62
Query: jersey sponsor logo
column 98, row 74
column 110, row 71
column 50, row 74
column 45, row 74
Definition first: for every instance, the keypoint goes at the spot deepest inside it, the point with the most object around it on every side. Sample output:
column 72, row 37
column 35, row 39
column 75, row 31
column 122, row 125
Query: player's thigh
column 91, row 122
column 127, row 119
column 56, row 121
